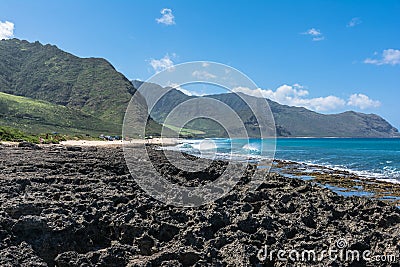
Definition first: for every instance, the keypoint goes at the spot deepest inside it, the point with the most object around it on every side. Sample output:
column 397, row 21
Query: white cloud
column 167, row 17
column 205, row 64
column 362, row 101
column 313, row 32
column 203, row 75
column 296, row 95
column 6, row 30
column 389, row 57
column 354, row 22
column 372, row 61
column 318, row 38
column 283, row 94
column 185, row 91
column 161, row 64
column 316, row 34
column 321, row 104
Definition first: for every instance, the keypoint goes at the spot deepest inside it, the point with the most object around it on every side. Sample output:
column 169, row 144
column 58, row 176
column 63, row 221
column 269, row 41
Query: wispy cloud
column 296, row 95
column 167, row 17
column 389, row 57
column 362, row 101
column 162, row 63
column 6, row 30
column 316, row 34
column 203, row 75
column 354, row 22
column 318, row 38
column 185, row 91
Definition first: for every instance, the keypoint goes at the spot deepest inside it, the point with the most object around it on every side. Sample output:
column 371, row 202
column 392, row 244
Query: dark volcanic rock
column 20, row 255
column 81, row 207
column 29, row 145
column 74, row 148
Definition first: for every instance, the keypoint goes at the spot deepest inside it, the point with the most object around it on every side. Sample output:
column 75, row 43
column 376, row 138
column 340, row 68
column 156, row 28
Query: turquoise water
column 379, row 158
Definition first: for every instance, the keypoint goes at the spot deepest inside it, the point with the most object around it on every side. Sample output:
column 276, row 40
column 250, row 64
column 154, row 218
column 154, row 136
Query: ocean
column 373, row 157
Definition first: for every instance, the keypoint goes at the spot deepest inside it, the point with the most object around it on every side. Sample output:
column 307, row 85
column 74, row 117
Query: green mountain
column 289, row 121
column 77, row 95
column 47, row 73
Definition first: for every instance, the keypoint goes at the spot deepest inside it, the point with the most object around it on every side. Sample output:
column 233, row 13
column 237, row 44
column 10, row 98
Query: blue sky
column 329, row 56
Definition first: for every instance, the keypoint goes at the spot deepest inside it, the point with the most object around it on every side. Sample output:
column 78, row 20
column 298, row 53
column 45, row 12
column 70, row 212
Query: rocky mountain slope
column 290, row 121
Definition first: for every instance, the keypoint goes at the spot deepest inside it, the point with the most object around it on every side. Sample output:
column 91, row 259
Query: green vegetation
column 37, row 116
column 14, row 135
column 185, row 132
column 207, row 128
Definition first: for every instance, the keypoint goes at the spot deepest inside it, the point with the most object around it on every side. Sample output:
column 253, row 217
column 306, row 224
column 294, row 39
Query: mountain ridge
column 290, row 121
column 98, row 94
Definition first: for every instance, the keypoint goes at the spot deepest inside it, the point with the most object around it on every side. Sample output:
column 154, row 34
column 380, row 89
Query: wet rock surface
column 342, row 181
column 81, row 207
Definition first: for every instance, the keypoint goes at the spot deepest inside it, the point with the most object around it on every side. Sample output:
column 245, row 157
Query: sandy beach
column 114, row 143
column 105, row 143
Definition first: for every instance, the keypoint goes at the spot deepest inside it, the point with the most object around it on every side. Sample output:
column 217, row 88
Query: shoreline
column 342, row 181
column 367, row 176
column 83, row 207
column 361, row 174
